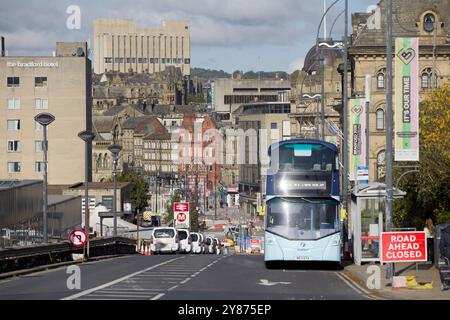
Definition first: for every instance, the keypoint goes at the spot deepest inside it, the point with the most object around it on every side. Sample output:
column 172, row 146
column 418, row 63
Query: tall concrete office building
column 120, row 46
column 60, row 85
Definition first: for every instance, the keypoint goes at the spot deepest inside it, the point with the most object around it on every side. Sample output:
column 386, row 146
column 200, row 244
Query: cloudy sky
column 225, row 34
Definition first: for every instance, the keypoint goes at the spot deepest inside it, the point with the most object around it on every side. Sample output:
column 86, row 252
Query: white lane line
column 172, row 288
column 86, row 292
column 118, row 295
column 128, row 289
column 185, row 280
column 157, row 297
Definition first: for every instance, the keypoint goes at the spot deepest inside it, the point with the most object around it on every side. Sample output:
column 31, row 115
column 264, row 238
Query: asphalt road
column 184, row 277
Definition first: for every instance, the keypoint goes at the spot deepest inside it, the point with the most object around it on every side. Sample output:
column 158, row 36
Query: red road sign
column 181, row 217
column 181, row 214
column 405, row 246
column 77, row 238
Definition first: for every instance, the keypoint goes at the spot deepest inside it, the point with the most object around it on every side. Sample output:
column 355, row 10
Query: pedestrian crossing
column 152, row 283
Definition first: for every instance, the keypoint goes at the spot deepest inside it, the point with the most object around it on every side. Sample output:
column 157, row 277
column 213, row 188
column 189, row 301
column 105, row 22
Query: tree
column 176, row 197
column 139, row 188
column 428, row 191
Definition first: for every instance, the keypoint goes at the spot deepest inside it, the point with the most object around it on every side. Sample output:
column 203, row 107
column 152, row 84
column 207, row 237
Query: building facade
column 59, row 85
column 429, row 21
column 229, row 94
column 120, row 46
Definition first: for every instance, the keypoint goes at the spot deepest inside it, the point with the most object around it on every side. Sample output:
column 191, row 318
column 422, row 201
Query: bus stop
column 368, row 208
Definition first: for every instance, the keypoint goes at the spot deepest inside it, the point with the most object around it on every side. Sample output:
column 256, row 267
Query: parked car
column 164, row 239
column 210, row 246
column 197, row 243
column 185, row 240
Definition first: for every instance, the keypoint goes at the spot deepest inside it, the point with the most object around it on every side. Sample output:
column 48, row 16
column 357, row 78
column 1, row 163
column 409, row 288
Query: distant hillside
column 212, row 74
column 208, row 73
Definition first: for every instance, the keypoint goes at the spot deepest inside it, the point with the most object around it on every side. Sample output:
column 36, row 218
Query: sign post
column 181, row 215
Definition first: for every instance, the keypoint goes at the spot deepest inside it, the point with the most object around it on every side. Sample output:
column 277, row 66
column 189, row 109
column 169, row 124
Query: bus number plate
column 303, row 258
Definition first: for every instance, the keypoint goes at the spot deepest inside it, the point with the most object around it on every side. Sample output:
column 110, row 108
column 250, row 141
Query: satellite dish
column 80, row 52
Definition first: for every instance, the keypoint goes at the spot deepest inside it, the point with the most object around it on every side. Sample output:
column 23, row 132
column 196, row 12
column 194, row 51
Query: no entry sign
column 77, row 238
column 403, row 246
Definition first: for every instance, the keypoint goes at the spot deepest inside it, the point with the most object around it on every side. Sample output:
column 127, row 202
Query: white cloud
column 297, row 64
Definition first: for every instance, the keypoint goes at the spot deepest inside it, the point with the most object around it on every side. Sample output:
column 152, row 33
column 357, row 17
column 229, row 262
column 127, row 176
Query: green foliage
column 139, row 188
column 208, row 73
column 176, row 197
column 428, row 191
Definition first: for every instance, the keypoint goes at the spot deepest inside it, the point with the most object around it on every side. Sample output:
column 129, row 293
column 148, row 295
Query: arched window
column 426, row 78
column 105, row 161
column 381, row 79
column 381, row 164
column 380, row 119
column 429, row 22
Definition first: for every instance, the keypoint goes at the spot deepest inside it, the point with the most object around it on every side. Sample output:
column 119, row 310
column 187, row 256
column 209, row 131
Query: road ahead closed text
column 403, row 247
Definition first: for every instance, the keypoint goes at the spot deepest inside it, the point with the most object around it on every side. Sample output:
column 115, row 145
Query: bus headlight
column 335, row 240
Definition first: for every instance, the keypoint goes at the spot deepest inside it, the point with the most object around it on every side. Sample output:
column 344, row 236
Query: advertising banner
column 406, row 112
column 357, row 127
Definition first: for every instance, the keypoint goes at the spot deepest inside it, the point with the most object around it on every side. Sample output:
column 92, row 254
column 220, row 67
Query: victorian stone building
column 430, row 22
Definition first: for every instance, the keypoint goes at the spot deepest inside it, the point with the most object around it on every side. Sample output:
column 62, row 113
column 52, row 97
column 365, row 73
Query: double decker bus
column 302, row 202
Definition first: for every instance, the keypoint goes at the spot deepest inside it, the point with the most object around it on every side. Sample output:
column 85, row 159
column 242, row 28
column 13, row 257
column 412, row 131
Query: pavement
column 186, row 277
column 426, row 273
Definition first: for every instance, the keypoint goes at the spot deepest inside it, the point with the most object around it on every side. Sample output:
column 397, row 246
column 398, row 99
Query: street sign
column 181, row 214
column 77, row 238
column 405, row 246
column 362, row 174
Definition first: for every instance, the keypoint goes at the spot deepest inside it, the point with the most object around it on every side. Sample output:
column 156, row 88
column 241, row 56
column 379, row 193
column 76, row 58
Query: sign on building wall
column 406, row 110
column 213, row 96
column 357, row 135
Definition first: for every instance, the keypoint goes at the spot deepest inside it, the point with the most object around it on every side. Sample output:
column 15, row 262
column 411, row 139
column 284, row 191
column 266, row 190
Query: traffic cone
column 147, row 251
column 142, row 248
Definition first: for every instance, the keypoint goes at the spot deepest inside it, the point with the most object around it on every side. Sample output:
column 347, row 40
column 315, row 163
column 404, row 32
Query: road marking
column 357, row 288
column 86, row 292
column 185, row 280
column 157, row 297
column 172, row 288
column 265, row 282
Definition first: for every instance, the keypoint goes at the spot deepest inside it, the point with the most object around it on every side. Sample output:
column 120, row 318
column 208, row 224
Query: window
column 13, row 167
column 40, row 81
column 381, row 164
column 13, row 145
column 381, row 79
column 429, row 22
column 426, row 79
column 131, row 60
column 13, row 82
column 41, row 103
column 187, row 61
column 273, row 125
column 108, row 60
column 380, row 119
column 13, row 125
column 13, row 103
column 39, row 146
column 39, row 166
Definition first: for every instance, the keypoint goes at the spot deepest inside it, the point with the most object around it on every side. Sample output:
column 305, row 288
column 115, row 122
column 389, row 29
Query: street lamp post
column 115, row 150
column 44, row 119
column 87, row 137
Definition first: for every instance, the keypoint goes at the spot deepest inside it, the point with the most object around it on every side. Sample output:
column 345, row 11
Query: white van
column 185, row 240
column 210, row 245
column 164, row 239
column 197, row 242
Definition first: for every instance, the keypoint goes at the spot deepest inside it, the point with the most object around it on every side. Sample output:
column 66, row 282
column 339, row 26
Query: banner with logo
column 357, row 136
column 406, row 112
